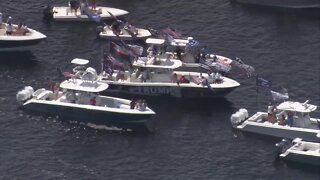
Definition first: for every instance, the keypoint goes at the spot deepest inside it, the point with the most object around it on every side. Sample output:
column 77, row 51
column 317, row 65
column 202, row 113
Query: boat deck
column 16, row 31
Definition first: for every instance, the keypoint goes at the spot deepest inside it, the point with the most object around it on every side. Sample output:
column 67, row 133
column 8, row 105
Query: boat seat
column 37, row 92
column 45, row 95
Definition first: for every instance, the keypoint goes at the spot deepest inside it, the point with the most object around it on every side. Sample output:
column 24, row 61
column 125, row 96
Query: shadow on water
column 280, row 163
column 18, row 59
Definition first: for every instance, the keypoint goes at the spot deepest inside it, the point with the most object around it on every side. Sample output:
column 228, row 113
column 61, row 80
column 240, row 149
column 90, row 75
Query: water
column 193, row 140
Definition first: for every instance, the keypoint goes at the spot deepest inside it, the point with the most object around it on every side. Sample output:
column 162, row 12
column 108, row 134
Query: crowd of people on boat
column 140, row 104
column 20, row 30
column 83, row 5
column 283, row 120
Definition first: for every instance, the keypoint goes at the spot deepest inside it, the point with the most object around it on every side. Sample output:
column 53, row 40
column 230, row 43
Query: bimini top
column 84, row 85
column 79, row 61
column 179, row 42
column 297, row 106
column 155, row 41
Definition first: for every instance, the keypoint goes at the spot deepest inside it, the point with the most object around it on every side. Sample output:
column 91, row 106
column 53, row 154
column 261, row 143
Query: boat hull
column 284, row 132
column 65, row 14
column 167, row 91
column 4, row 44
column 96, row 117
column 300, row 158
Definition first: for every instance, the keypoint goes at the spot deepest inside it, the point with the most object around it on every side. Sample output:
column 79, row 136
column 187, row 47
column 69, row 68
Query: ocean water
column 193, row 139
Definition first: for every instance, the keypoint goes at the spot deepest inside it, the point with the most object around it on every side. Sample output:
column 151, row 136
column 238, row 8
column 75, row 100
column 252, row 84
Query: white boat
column 160, row 78
column 21, row 38
column 125, row 33
column 295, row 4
column 177, row 49
column 288, row 120
column 300, row 151
column 69, row 14
column 78, row 100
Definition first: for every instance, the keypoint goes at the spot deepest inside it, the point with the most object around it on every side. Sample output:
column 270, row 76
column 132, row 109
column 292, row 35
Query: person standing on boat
column 9, row 28
column 290, row 119
column 0, row 20
column 93, row 101
column 9, row 20
column 93, row 5
column 132, row 104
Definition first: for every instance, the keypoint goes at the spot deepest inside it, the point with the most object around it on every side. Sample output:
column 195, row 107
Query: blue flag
column 260, row 82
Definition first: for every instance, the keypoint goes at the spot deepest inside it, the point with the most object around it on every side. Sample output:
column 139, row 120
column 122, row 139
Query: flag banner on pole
column 260, row 82
column 278, row 97
column 247, row 68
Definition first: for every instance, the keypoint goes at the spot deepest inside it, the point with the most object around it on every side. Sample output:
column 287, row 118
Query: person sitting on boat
column 138, row 104
column 116, row 26
column 145, row 75
column 143, row 106
column 183, row 79
column 132, row 104
column 282, row 120
column 9, row 28
column 204, row 81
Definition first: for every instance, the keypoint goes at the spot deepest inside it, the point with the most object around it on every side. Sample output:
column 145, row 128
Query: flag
column 171, row 32
column 278, row 97
column 137, row 50
column 260, row 82
column 119, row 50
column 222, row 67
column 245, row 67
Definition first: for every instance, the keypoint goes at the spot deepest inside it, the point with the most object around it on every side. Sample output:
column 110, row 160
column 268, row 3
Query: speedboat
column 77, row 13
column 160, row 78
column 21, row 38
column 79, row 100
column 189, row 54
column 287, row 120
column 296, row 4
column 299, row 151
column 125, row 33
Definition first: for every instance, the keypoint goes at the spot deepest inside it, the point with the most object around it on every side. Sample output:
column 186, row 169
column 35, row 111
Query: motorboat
column 78, row 12
column 295, row 4
column 78, row 99
column 21, row 38
column 188, row 52
column 299, row 151
column 160, row 78
column 125, row 33
column 288, row 120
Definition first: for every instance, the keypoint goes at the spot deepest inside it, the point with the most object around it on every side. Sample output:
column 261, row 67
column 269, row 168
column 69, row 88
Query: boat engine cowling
column 90, row 74
column 238, row 117
column 24, row 94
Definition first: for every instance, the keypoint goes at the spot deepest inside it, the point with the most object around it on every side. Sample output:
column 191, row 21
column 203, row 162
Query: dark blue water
column 193, row 140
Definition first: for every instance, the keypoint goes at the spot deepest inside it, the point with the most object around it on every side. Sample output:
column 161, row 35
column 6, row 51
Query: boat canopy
column 155, row 41
column 172, row 64
column 179, row 42
column 79, row 61
column 297, row 107
column 84, row 85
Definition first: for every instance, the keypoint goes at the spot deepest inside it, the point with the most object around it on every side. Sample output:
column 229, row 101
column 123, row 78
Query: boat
column 22, row 38
column 289, row 120
column 125, row 33
column 160, row 78
column 295, row 4
column 181, row 49
column 74, row 12
column 79, row 100
column 299, row 151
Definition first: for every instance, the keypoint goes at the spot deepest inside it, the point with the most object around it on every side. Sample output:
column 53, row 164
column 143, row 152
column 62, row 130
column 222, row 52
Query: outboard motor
column 24, row 94
column 238, row 117
column 282, row 146
column 48, row 13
